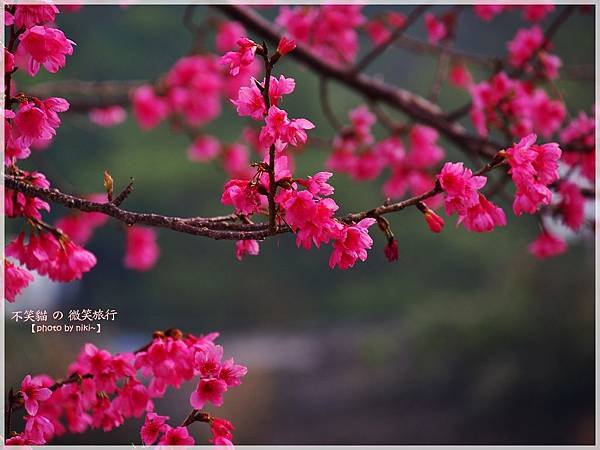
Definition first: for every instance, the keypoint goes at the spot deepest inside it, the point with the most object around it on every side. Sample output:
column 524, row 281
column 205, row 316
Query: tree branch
column 379, row 49
column 220, row 227
column 413, row 105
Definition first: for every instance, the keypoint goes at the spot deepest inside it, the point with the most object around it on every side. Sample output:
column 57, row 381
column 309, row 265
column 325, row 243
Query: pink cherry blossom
column 142, row 251
column 460, row 186
column 108, row 116
column 525, row 43
column 242, row 195
column 487, row 12
column 483, row 217
column 64, row 261
column 250, row 102
column 460, row 76
column 204, row 148
column 208, row 390
column 31, row 123
column 148, row 108
column 352, row 244
column 221, row 431
column 278, row 87
column 194, row 89
column 9, row 61
column 26, row 16
column 132, row 399
column 241, row 58
column 42, row 46
column 246, row 247
column 154, row 425
column 572, row 205
column 17, row 204
column 232, row 373
column 33, row 393
column 228, row 34
column 207, row 360
column 436, row 30
column 236, row 161
column 279, row 127
column 547, row 245
column 317, row 184
column 16, row 279
column 329, row 30
column 285, row 45
column 38, row 428
column 176, row 436
column 377, row 31
column 533, row 168
column 535, row 13
column 424, row 149
column 551, row 64
column 21, row 440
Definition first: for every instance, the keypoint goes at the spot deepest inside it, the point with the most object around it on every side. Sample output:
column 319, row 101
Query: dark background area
column 466, row 340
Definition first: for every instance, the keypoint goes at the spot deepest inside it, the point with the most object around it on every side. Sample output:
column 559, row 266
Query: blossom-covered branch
column 102, row 390
column 512, row 104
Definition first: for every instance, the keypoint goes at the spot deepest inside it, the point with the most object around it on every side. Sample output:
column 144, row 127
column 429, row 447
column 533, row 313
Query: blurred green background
column 466, row 340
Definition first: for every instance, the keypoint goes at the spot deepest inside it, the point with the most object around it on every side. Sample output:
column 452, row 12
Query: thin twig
column 326, row 104
column 379, row 49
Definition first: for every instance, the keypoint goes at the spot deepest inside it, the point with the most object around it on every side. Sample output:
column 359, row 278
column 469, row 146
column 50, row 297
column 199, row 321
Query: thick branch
column 413, row 105
column 221, row 227
column 195, row 226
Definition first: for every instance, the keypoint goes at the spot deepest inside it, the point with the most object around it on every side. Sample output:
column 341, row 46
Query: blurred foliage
column 465, row 340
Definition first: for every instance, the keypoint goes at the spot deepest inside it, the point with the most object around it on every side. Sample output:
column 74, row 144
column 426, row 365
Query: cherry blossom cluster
column 102, row 390
column 30, row 124
column 513, row 103
column 515, row 107
column 330, row 30
column 355, row 152
column 303, row 204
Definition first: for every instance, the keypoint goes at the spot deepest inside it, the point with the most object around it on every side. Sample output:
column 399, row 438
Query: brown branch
column 326, row 104
column 414, row 45
column 413, row 105
column 219, row 228
column 196, row 416
column 84, row 95
column 263, row 51
column 195, row 226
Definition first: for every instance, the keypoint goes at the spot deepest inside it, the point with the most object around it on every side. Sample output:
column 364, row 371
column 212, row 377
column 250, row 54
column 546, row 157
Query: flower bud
column 435, row 222
column 286, row 45
column 391, row 250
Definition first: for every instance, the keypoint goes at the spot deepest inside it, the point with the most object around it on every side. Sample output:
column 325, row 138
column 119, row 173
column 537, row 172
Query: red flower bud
column 286, row 45
column 391, row 250
column 435, row 222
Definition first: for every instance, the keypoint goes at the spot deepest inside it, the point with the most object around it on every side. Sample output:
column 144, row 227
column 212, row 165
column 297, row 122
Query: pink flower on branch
column 154, row 425
column 33, row 392
column 352, row 244
column 27, row 16
column 42, row 46
column 176, row 436
column 246, row 247
column 16, row 279
column 241, row 58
